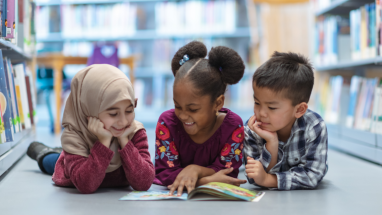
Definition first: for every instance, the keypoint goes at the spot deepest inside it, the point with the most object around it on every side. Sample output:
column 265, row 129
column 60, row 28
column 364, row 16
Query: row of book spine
column 124, row 19
column 9, row 10
column 354, row 102
column 358, row 34
column 17, row 99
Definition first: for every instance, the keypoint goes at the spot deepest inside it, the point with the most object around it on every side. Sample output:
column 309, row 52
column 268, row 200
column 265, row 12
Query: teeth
column 189, row 123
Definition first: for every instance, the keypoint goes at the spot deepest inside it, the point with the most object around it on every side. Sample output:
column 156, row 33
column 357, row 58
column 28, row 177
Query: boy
column 285, row 143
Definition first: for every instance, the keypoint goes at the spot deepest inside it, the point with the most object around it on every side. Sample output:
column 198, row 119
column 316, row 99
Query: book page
column 153, row 195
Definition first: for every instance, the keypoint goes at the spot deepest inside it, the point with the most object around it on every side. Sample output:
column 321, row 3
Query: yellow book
column 18, row 96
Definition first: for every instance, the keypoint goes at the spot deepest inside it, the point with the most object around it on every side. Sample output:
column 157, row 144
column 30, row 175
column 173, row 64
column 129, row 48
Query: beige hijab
column 93, row 90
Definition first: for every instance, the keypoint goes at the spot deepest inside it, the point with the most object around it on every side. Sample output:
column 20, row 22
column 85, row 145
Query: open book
column 210, row 191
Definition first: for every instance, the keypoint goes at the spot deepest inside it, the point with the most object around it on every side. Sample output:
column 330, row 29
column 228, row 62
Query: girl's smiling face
column 197, row 113
column 118, row 117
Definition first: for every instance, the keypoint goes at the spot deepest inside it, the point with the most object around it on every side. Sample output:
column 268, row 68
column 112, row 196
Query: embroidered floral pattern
column 234, row 150
column 173, row 149
column 165, row 148
column 238, row 134
column 225, row 151
column 162, row 131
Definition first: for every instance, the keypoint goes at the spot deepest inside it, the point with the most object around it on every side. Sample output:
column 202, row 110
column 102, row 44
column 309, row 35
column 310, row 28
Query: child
column 200, row 141
column 103, row 146
column 285, row 142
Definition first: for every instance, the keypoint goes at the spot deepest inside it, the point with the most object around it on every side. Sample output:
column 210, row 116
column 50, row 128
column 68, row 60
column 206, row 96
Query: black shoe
column 37, row 151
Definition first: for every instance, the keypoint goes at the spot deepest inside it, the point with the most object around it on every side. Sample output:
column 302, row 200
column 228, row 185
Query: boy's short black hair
column 287, row 71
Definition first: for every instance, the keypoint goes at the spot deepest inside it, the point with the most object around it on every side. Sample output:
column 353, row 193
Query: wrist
column 105, row 142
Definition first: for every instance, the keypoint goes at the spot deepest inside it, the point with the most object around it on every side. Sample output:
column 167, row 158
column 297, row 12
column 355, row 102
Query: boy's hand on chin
column 255, row 170
column 266, row 135
column 96, row 127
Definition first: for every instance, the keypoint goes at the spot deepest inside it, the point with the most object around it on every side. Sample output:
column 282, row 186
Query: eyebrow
column 187, row 104
column 115, row 108
column 270, row 103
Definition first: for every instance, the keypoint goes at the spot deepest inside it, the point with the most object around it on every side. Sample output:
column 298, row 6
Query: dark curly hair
column 288, row 72
column 209, row 76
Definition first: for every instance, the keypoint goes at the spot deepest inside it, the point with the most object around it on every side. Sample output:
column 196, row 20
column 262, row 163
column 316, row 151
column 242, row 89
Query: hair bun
column 194, row 49
column 228, row 62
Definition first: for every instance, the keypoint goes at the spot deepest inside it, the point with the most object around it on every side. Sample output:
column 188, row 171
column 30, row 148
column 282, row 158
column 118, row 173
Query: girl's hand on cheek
column 123, row 139
column 96, row 127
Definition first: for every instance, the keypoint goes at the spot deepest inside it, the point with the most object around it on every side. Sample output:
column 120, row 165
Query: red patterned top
column 175, row 149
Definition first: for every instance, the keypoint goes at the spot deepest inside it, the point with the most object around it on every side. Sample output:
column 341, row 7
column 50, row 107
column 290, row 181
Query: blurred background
column 55, row 39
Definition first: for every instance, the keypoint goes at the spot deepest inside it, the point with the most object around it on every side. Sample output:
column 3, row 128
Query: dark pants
column 49, row 162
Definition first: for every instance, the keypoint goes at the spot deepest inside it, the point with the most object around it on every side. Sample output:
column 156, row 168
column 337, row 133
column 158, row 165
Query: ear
column 300, row 109
column 219, row 102
column 135, row 103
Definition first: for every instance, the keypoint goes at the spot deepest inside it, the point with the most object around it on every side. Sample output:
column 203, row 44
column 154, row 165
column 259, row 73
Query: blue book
column 355, row 85
column 10, row 70
column 5, row 104
column 3, row 18
column 9, row 88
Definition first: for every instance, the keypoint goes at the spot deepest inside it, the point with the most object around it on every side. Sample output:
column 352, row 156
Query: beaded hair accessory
column 184, row 60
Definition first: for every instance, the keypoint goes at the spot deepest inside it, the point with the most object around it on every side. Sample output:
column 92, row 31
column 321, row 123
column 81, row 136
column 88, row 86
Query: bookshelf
column 150, row 37
column 10, row 152
column 356, row 109
column 146, row 35
column 351, row 64
column 342, row 7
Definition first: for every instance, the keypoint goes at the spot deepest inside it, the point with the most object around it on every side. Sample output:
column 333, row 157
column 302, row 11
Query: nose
column 122, row 121
column 183, row 116
column 263, row 112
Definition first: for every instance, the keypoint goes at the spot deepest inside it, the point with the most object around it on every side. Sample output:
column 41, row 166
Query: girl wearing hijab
column 102, row 144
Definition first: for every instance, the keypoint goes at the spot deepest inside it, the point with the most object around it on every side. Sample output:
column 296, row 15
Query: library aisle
column 351, row 186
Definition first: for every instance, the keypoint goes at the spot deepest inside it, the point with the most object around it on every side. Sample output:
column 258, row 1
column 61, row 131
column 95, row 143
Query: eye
column 272, row 108
column 130, row 111
column 177, row 107
column 193, row 110
column 113, row 115
column 256, row 103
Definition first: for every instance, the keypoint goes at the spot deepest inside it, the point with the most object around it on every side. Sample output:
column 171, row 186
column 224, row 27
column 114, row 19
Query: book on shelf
column 10, row 25
column 2, row 127
column 6, row 104
column 212, row 191
column 21, row 93
column 10, row 87
column 16, row 103
column 365, row 31
column 352, row 103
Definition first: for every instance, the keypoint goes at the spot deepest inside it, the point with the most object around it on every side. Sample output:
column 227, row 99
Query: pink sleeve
column 87, row 173
column 136, row 162
column 231, row 153
column 167, row 164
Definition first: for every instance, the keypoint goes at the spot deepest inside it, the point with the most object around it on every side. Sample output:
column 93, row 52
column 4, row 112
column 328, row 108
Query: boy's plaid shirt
column 301, row 161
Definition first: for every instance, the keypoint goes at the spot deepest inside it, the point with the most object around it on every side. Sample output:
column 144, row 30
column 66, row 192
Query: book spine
column 6, row 104
column 10, row 19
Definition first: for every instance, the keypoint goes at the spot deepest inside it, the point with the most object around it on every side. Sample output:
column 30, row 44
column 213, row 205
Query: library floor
column 352, row 186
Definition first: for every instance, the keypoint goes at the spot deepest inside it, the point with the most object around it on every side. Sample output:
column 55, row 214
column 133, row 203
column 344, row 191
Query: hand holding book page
column 211, row 191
